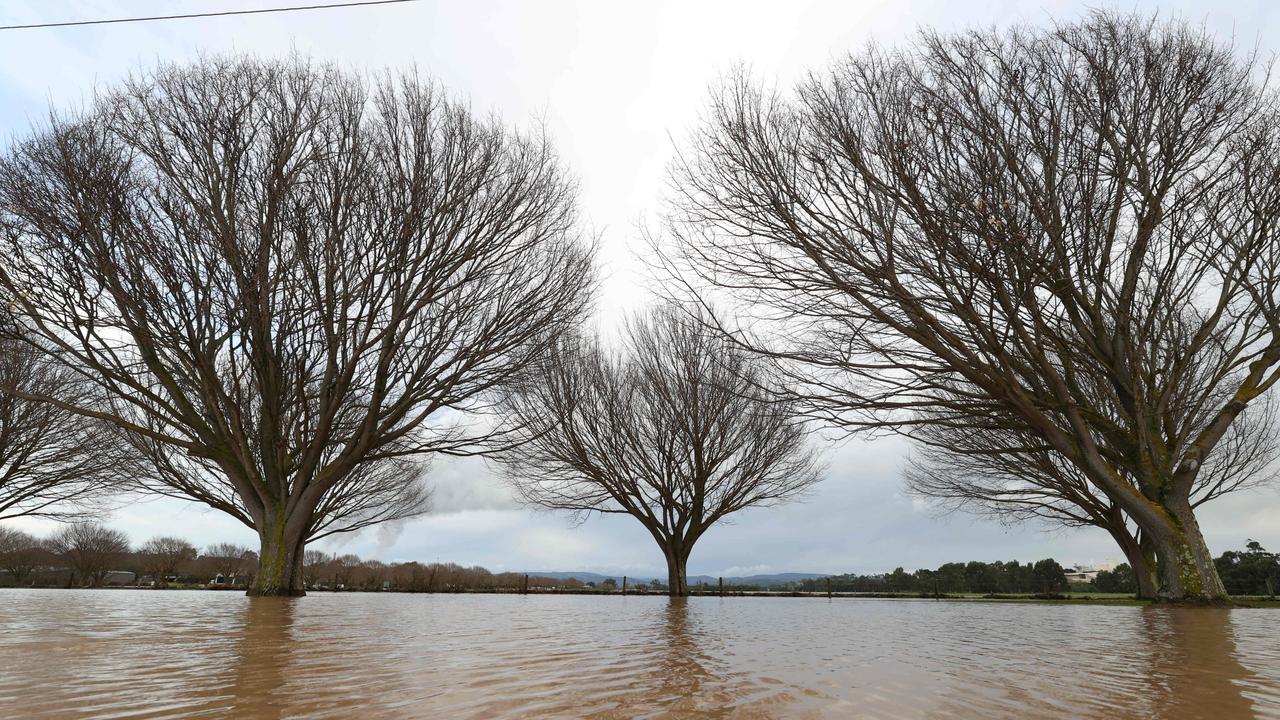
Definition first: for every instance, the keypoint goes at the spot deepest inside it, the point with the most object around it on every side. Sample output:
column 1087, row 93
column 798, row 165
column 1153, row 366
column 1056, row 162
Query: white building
column 1086, row 573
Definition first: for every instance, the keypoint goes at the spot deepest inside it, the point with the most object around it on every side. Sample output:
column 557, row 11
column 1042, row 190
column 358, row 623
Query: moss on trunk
column 279, row 563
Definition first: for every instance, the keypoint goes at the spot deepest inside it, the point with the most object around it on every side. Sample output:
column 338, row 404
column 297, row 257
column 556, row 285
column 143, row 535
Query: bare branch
column 53, row 463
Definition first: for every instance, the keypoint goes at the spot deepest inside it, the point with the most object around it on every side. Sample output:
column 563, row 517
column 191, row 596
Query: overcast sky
column 617, row 84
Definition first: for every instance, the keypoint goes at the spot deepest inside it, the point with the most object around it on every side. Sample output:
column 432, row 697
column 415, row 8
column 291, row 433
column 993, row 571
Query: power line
column 223, row 13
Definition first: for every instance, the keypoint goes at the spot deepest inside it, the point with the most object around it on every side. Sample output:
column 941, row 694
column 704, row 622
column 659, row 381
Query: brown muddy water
column 137, row 653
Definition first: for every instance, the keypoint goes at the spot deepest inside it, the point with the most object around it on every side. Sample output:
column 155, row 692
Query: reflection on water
column 260, row 669
column 1197, row 648
column 688, row 675
column 118, row 654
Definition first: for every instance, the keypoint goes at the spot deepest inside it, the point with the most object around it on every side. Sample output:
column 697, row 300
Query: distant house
column 1087, row 574
column 119, row 578
column 228, row 581
column 1080, row 574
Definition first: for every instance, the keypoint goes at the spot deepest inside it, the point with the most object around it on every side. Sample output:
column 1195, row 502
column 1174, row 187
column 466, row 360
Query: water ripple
column 174, row 654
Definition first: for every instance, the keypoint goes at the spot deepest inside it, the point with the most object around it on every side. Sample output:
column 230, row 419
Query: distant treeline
column 1251, row 572
column 1045, row 576
column 92, row 555
column 89, row 554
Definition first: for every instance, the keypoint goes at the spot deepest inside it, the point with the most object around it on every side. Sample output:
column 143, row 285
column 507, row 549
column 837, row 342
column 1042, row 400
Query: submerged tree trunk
column 677, row 572
column 279, row 561
column 1183, row 567
column 1184, row 564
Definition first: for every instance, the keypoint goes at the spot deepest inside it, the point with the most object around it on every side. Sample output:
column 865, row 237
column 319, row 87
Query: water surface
column 201, row 654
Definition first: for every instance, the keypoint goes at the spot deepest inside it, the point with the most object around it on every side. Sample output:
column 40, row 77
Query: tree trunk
column 279, row 562
column 1184, row 564
column 1145, row 574
column 1140, row 558
column 677, row 573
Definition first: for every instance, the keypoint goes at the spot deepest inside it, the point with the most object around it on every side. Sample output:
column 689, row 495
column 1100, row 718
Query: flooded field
column 125, row 653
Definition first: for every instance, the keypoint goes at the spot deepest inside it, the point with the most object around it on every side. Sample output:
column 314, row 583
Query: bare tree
column 18, row 553
column 90, row 548
column 345, row 569
column 163, row 557
column 680, row 431
column 372, row 574
column 1072, row 230
column 279, row 277
column 315, row 566
column 229, row 560
column 53, row 463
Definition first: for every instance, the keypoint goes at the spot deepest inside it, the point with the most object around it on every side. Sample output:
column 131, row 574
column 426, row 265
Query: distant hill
column 774, row 580
column 762, row 580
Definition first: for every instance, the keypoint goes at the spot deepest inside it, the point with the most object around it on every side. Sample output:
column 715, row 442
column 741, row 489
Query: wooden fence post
column 721, row 587
column 828, row 587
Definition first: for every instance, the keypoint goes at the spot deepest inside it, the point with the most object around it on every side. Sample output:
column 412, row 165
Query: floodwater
column 201, row 654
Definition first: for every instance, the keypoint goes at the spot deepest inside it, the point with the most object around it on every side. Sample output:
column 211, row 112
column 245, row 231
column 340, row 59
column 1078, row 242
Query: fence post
column 721, row 587
column 524, row 587
column 624, row 584
column 828, row 587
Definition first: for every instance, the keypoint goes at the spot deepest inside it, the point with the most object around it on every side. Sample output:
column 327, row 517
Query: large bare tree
column 19, row 554
column 228, row 559
column 679, row 430
column 53, row 462
column 1071, row 230
column 284, row 281
column 162, row 557
column 90, row 548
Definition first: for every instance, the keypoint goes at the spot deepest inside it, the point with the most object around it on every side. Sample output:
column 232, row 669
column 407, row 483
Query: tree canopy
column 1061, row 239
column 287, row 284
